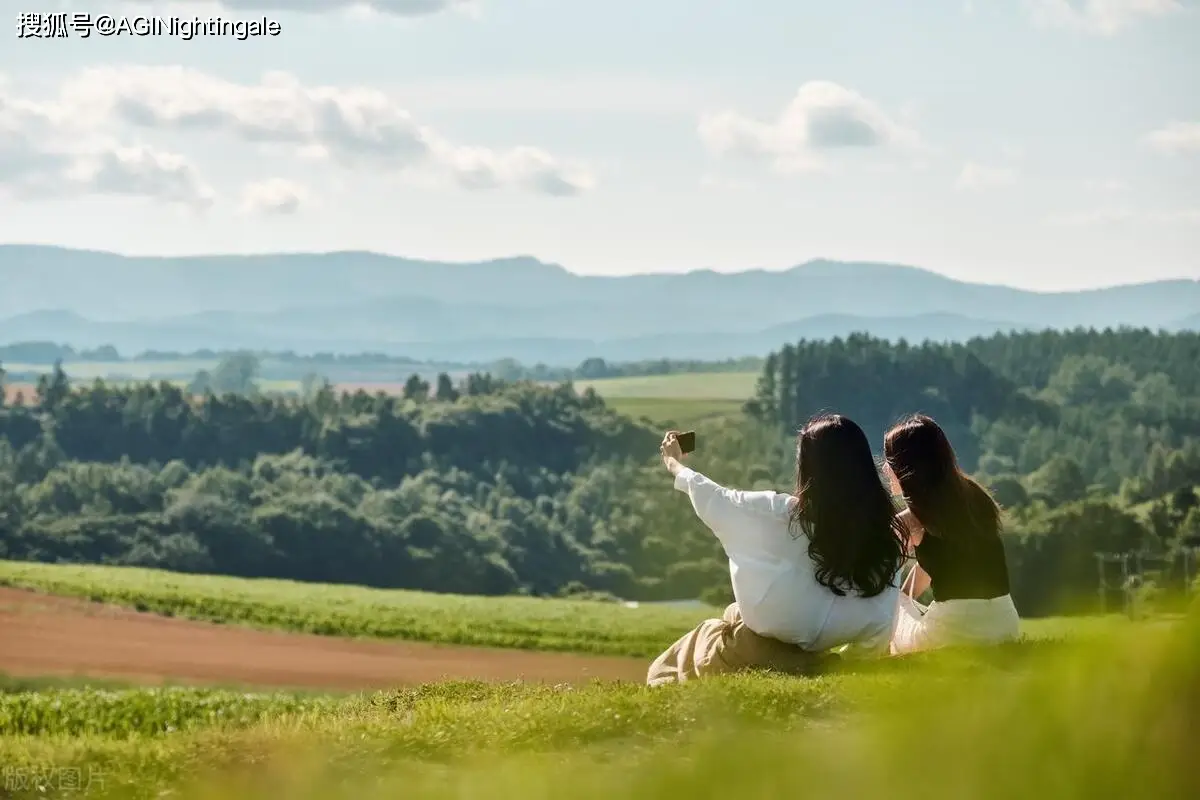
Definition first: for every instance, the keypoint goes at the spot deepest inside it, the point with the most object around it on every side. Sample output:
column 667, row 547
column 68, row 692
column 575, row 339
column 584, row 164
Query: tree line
column 1089, row 439
column 485, row 485
column 43, row 353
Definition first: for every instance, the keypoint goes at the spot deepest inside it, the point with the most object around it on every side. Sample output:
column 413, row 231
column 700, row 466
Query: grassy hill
column 340, row 610
column 1082, row 709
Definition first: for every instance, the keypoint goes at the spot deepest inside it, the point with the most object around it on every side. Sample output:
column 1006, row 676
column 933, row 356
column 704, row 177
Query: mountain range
column 521, row 307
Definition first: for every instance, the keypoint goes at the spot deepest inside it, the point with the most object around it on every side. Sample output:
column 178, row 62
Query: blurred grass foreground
column 1113, row 714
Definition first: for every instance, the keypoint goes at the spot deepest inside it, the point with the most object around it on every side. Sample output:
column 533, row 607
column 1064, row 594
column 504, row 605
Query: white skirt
column 954, row 622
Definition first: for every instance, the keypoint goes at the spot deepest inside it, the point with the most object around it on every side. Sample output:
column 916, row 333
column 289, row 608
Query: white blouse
column 774, row 579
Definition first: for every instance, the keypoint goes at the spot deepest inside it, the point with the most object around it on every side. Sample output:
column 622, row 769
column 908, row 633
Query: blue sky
column 1037, row 143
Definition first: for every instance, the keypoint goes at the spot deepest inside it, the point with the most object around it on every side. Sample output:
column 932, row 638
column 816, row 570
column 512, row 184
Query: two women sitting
column 820, row 569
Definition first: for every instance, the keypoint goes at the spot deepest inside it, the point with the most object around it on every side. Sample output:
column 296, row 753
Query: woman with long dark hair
column 954, row 533
column 811, row 571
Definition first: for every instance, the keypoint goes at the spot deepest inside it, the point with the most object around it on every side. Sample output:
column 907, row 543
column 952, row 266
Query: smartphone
column 687, row 441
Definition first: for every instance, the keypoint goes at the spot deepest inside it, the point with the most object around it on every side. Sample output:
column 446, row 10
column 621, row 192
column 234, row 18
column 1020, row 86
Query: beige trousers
column 725, row 645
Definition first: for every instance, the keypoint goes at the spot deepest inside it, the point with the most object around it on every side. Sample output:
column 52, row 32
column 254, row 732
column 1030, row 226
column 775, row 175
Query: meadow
column 510, row 622
column 1083, row 709
column 524, row 623
column 737, row 386
column 684, row 401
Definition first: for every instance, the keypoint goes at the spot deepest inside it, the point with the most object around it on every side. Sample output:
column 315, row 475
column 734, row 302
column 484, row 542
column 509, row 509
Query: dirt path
column 49, row 635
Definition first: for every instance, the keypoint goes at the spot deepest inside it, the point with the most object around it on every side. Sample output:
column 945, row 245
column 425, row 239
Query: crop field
column 27, row 391
column 680, row 414
column 683, row 401
column 506, row 622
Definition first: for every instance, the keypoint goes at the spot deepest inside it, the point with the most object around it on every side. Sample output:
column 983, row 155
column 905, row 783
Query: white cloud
column 533, row 169
column 1098, row 17
column 274, row 196
column 141, row 171
column 1176, row 138
column 1119, row 216
column 980, row 176
column 1106, row 185
column 40, row 156
column 353, row 126
column 822, row 118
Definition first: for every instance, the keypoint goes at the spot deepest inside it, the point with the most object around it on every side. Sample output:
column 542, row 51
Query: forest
column 1089, row 439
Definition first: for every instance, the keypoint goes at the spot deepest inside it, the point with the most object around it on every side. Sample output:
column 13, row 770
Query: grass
column 355, row 611
column 1114, row 716
column 680, row 414
column 685, row 401
column 512, row 622
column 687, row 385
column 133, row 712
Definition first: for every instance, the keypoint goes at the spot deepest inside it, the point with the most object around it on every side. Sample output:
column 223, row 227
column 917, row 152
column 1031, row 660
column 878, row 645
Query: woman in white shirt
column 810, row 571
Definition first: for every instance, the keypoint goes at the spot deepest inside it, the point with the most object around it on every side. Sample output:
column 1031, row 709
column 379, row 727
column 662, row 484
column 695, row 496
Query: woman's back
column 774, row 577
column 954, row 527
column 967, row 567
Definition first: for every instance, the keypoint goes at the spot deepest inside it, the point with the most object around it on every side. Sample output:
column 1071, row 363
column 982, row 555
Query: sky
column 1044, row 144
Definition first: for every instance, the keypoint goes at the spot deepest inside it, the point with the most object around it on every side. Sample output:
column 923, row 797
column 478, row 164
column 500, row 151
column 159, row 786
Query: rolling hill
column 520, row 307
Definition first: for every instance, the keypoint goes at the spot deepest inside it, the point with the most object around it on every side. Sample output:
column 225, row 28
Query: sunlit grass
column 340, row 610
column 707, row 385
column 510, row 622
column 1113, row 715
column 678, row 413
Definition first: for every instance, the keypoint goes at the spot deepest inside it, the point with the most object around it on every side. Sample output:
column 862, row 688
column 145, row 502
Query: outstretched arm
column 745, row 521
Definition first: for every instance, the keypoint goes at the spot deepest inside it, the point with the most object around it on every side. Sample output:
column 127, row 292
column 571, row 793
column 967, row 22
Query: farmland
column 714, row 385
column 1098, row 689
column 681, row 400
column 511, row 622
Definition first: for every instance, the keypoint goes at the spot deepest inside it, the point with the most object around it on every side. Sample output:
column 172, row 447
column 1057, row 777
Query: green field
column 514, row 622
column 354, row 611
column 737, row 386
column 685, row 401
column 681, row 414
column 1098, row 717
column 1084, row 708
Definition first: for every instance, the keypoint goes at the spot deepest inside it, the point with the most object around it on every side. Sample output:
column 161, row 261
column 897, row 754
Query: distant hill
column 1191, row 323
column 520, row 307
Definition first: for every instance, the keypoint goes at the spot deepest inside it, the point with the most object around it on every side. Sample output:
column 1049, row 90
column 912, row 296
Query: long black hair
column 947, row 502
column 855, row 540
